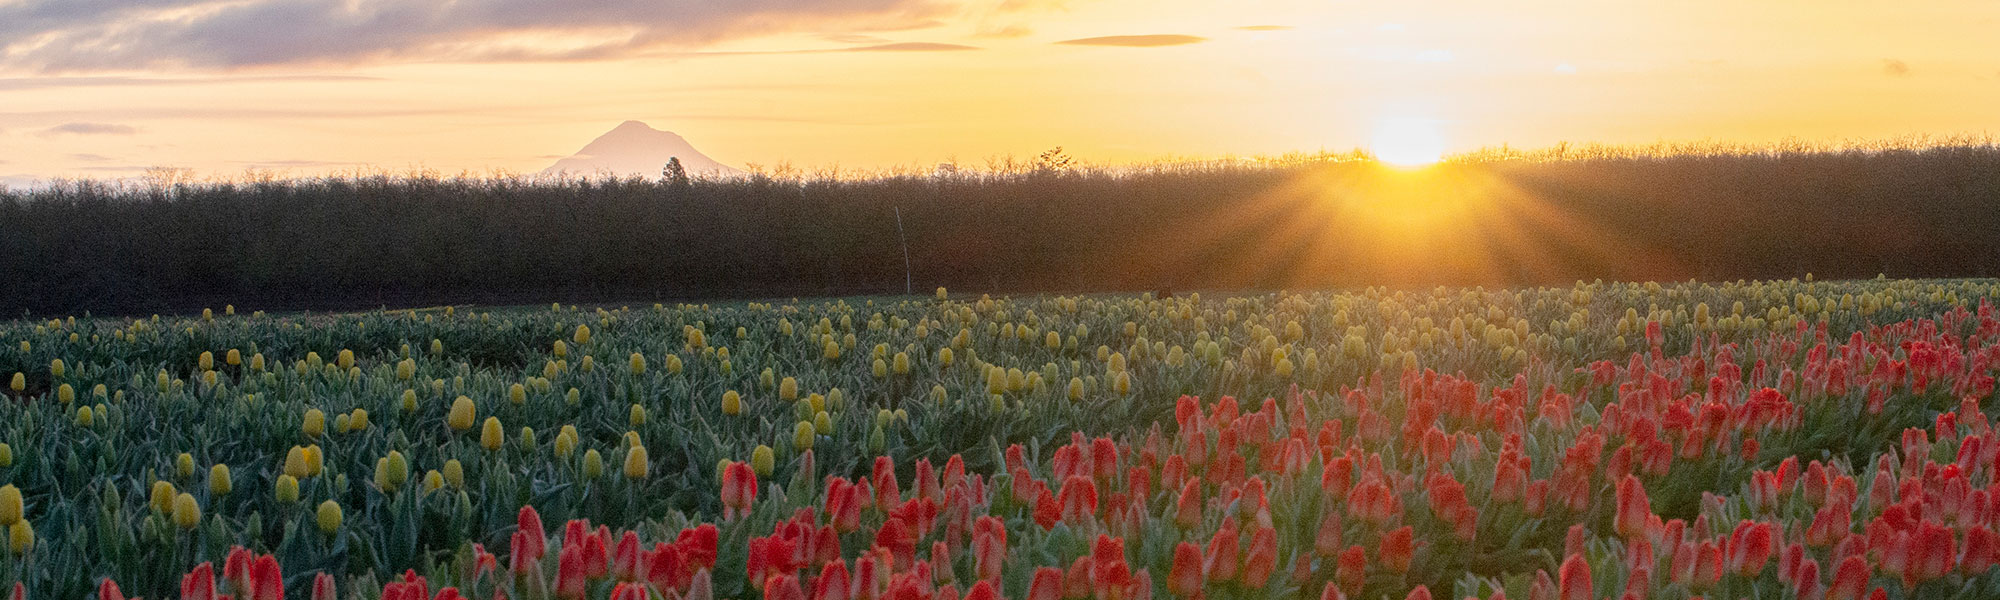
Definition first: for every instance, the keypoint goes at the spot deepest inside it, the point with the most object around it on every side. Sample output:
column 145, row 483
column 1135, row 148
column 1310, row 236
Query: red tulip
column 1398, row 548
column 989, row 547
column 1849, row 580
column 596, row 557
column 1633, row 508
column 1327, row 542
column 739, row 490
column 1544, row 588
column 1420, row 593
column 236, row 571
column 1185, row 579
column 1187, row 510
column 267, row 581
column 108, row 590
column 887, row 492
column 1108, row 570
column 1807, row 579
column 570, row 577
column 1076, row 581
column 199, row 584
column 1575, row 578
column 832, row 583
column 983, row 590
column 323, row 587
column 783, row 587
column 1047, row 584
column 1353, row 570
column 1048, row 511
column 1078, row 499
column 1331, row 591
column 535, row 539
column 1221, row 560
column 1262, row 558
column 1982, row 549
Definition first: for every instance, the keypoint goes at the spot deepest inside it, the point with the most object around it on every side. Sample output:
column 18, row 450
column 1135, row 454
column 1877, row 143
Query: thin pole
column 909, row 288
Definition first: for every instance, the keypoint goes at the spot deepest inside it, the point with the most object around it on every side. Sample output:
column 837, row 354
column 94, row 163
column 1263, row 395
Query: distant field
column 1559, row 441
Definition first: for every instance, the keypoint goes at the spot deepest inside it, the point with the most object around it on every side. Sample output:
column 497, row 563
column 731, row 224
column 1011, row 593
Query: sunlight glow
column 1408, row 141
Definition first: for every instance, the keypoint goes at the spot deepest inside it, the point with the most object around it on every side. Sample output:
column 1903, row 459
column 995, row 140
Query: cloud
column 36, row 83
column 1265, row 27
column 95, row 35
column 1895, row 68
column 912, row 47
column 83, row 128
column 1137, row 41
column 90, row 157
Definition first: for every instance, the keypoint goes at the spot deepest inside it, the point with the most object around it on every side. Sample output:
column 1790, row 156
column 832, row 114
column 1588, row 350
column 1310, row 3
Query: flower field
column 1793, row 439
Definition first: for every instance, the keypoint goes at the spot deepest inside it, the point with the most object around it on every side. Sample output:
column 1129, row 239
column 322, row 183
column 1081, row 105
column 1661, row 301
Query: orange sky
column 108, row 87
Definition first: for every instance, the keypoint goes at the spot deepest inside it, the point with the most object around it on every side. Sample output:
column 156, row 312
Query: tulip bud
column 462, row 413
column 162, row 499
column 763, row 460
column 218, row 480
column 287, row 489
column 329, row 516
column 635, row 463
column 593, row 464
column 21, row 537
column 187, row 514
column 11, row 506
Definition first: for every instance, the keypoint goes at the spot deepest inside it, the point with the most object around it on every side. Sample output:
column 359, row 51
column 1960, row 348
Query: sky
column 109, row 88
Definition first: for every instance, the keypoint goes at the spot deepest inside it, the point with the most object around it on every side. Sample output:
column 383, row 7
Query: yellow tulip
column 638, row 364
column 454, row 473
column 763, row 460
column 329, row 516
column 732, row 403
column 21, row 537
column 315, row 423
column 187, row 514
column 517, row 394
column 635, row 463
column 163, row 497
column 593, row 464
column 287, row 489
column 462, row 414
column 490, row 435
column 802, row 436
column 218, row 480
column 11, row 506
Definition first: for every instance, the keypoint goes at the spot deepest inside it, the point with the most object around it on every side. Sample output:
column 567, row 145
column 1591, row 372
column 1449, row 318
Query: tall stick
column 909, row 288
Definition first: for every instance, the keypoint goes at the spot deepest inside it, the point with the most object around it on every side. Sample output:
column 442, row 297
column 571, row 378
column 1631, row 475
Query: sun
column 1408, row 141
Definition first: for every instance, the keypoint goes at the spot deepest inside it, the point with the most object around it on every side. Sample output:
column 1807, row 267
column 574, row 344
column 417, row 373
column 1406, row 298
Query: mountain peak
column 635, row 148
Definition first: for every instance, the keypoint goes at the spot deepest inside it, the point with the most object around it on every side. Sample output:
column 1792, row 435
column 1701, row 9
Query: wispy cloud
column 83, row 128
column 1137, row 41
column 1895, row 68
column 37, row 83
column 90, row 158
column 94, row 35
column 912, row 47
column 1265, row 27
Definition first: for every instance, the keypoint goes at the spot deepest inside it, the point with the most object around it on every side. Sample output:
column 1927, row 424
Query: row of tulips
column 1683, row 479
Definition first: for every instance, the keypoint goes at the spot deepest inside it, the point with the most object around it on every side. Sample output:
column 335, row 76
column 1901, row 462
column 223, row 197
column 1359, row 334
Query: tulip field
column 1808, row 440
